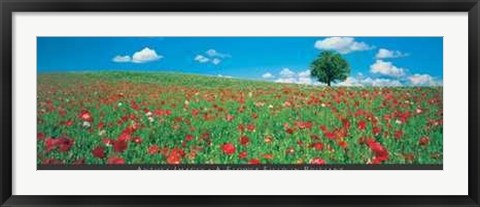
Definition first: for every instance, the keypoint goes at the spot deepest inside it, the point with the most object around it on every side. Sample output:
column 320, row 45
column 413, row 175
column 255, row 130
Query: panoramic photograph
column 249, row 101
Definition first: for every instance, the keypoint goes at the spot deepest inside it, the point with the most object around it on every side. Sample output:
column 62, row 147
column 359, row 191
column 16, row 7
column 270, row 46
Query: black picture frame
column 10, row 6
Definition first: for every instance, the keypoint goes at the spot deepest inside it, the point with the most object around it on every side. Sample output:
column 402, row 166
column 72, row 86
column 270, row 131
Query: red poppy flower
column 68, row 123
column 188, row 137
column 303, row 124
column 40, row 136
column 404, row 116
column 98, row 152
column 153, row 149
column 100, row 125
column 323, row 128
column 137, row 140
column 52, row 161
column 115, row 161
column 346, row 123
column 241, row 128
column 251, row 127
column 398, row 134
column 62, row 143
column 125, row 135
column 254, row 161
column 175, row 156
column 287, row 104
column 381, row 154
column 409, row 157
column 229, row 117
column 195, row 112
column 79, row 162
column 244, row 140
column 85, row 116
column 178, row 119
column 290, row 150
column 329, row 135
column 177, row 151
column 62, row 112
column 108, row 141
column 361, row 125
column 289, row 130
column 268, row 156
column 376, row 131
column 228, row 148
column 424, row 141
column 317, row 161
column 161, row 112
column 242, row 155
column 205, row 135
column 317, row 145
column 120, row 146
column 342, row 144
column 173, row 159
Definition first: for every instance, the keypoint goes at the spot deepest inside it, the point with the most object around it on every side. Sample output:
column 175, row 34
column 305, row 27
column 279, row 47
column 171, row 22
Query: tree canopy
column 329, row 67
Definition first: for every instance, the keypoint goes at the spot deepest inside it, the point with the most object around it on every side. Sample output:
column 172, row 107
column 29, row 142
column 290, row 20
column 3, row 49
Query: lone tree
column 330, row 66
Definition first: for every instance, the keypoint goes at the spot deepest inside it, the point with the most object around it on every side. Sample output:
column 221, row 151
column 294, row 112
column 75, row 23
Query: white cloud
column 145, row 55
column 342, row 45
column 287, row 73
column 268, row 75
column 224, row 76
column 211, row 56
column 288, row 76
column 386, row 69
column 201, row 59
column 350, row 81
column 121, row 59
column 378, row 82
column 424, row 80
column 142, row 56
column 304, row 74
column 413, row 80
column 385, row 53
column 304, row 77
column 381, row 82
column 216, row 61
column 215, row 53
column 360, row 80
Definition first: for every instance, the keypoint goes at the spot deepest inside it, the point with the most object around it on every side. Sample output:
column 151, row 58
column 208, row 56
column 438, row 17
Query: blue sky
column 374, row 61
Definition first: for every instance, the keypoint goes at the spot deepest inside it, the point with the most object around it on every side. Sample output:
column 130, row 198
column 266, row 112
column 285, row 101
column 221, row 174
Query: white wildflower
column 419, row 111
column 101, row 132
column 86, row 124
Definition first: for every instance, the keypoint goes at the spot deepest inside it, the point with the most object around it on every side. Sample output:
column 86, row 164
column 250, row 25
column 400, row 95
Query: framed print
column 200, row 103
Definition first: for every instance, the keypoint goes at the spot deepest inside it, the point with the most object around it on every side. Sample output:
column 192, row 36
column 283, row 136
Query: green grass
column 111, row 97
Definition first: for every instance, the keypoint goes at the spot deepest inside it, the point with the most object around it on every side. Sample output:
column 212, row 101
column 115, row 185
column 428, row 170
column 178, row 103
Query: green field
column 171, row 118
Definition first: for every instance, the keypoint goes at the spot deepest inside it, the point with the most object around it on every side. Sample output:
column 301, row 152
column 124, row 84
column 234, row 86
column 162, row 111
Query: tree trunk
column 328, row 83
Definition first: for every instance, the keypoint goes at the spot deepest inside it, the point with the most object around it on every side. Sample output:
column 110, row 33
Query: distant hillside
column 170, row 78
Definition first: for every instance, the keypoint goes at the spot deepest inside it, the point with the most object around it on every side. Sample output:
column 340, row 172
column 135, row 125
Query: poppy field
column 172, row 118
